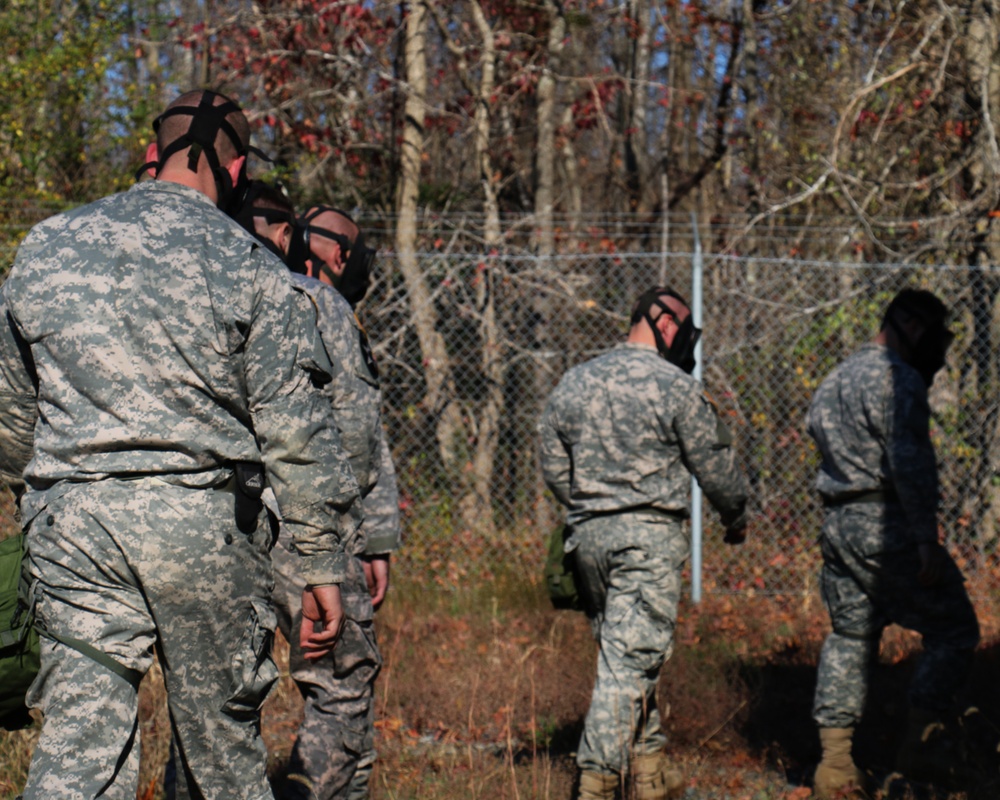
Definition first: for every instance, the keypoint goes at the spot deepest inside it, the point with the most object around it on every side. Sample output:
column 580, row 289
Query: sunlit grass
column 485, row 687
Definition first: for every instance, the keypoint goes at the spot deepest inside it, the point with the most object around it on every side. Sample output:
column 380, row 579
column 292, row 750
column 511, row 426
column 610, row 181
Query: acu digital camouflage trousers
column 869, row 580
column 335, row 749
column 130, row 566
column 628, row 567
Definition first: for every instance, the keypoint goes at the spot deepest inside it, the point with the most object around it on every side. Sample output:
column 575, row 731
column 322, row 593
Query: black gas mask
column 353, row 283
column 926, row 352
column 207, row 120
column 250, row 210
column 681, row 349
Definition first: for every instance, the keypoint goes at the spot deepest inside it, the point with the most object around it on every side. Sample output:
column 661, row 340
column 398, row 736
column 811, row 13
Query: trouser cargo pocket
column 253, row 669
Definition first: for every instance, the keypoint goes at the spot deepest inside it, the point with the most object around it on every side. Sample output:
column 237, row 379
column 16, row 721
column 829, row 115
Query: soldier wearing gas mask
column 335, row 750
column 329, row 246
column 882, row 562
column 174, row 369
column 620, row 438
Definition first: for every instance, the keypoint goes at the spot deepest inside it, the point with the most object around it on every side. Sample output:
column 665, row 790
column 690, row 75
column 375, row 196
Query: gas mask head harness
column 207, row 120
column 355, row 279
column 681, row 350
column 262, row 200
column 925, row 352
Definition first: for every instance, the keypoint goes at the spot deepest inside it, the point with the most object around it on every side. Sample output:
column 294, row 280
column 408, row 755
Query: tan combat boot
column 654, row 779
column 930, row 752
column 836, row 773
column 597, row 786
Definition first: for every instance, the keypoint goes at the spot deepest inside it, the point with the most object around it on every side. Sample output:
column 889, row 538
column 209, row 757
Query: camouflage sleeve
column 299, row 441
column 18, row 406
column 555, row 457
column 910, row 454
column 382, row 528
column 706, row 447
column 354, row 395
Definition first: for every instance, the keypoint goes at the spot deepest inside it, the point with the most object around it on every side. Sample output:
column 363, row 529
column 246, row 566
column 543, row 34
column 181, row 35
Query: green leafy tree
column 69, row 110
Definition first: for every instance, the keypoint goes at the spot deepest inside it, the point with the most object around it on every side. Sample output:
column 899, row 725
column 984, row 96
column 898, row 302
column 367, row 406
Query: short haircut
column 343, row 222
column 641, row 305
column 174, row 127
column 272, row 197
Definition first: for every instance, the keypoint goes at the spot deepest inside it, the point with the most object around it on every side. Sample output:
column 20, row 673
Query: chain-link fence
column 466, row 373
column 463, row 431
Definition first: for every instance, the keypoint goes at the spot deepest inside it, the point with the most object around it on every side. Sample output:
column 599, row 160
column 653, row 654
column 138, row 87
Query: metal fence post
column 696, row 499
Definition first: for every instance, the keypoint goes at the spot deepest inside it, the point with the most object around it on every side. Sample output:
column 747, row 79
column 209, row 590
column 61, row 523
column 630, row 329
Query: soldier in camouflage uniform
column 882, row 562
column 620, row 438
column 20, row 410
column 335, row 749
column 174, row 365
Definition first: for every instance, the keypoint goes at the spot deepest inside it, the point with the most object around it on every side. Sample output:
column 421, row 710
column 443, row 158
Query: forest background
column 526, row 167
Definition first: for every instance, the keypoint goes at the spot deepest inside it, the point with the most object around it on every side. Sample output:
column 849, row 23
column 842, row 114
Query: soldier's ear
column 284, row 236
column 667, row 326
column 152, row 158
column 235, row 167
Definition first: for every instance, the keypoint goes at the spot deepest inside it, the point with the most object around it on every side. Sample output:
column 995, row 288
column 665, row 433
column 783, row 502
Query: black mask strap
column 298, row 249
column 270, row 246
column 207, row 120
column 357, row 275
column 244, row 216
column 355, row 279
column 247, row 212
column 681, row 351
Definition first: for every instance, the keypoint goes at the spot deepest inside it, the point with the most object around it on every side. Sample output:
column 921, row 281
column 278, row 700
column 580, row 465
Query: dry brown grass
column 484, row 699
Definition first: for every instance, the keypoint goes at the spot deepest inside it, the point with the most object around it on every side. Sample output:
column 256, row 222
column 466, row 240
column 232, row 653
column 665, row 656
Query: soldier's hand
column 736, row 535
column 322, row 620
column 377, row 577
column 933, row 559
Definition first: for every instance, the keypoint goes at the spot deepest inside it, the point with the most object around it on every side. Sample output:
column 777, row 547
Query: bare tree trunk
column 571, row 176
column 637, row 160
column 438, row 401
column 750, row 51
column 482, row 124
column 477, row 505
column 666, row 146
column 481, row 414
column 544, row 236
column 982, row 92
column 477, row 510
column 545, row 121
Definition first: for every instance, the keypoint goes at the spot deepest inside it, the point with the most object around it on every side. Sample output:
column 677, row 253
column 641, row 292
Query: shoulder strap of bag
column 27, row 618
column 133, row 676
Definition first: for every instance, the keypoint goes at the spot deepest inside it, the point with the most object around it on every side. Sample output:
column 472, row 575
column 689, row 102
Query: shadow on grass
column 780, row 729
column 484, row 692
